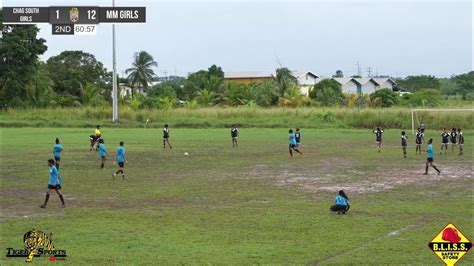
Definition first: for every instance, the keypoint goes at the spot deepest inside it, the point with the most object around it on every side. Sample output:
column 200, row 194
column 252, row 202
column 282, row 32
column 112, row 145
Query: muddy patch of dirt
column 370, row 182
column 24, row 203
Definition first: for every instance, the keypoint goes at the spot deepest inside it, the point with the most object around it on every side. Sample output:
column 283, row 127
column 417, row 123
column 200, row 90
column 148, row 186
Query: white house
column 305, row 80
column 363, row 85
column 384, row 83
column 367, row 85
column 348, row 85
column 125, row 89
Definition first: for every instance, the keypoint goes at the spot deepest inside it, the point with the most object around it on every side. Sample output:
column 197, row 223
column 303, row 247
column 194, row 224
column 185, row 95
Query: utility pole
column 369, row 72
column 359, row 72
column 165, row 73
column 114, row 79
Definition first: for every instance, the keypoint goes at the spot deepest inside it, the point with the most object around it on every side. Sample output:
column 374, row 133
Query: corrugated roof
column 263, row 74
column 298, row 74
column 249, row 74
column 380, row 81
column 363, row 81
column 342, row 81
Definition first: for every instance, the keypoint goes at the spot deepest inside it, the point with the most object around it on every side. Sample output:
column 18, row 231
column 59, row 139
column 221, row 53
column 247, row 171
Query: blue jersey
column 120, row 154
column 340, row 200
column 57, row 149
column 430, row 151
column 102, row 151
column 54, row 176
column 292, row 139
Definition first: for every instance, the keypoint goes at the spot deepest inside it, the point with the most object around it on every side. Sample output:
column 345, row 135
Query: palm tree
column 206, row 97
column 284, row 79
column 141, row 72
column 293, row 98
column 41, row 86
column 89, row 93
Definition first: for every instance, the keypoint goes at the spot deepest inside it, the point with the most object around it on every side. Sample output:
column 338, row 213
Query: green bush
column 426, row 98
column 387, row 97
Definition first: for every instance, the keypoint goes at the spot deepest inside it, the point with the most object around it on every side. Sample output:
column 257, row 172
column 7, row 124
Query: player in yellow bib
column 94, row 139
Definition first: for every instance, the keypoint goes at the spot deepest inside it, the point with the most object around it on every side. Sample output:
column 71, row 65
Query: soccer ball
column 186, row 154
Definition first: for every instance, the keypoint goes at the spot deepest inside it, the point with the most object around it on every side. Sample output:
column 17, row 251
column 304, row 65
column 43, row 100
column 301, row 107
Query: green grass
column 219, row 205
column 219, row 117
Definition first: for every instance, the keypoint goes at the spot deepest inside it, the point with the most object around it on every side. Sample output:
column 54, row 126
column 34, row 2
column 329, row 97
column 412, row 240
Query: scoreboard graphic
column 73, row 20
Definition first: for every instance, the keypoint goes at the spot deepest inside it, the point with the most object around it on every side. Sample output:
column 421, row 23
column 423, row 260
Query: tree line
column 77, row 78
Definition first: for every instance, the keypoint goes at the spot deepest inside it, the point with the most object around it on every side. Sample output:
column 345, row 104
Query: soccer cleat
column 62, row 206
column 113, row 176
column 42, row 206
column 425, row 173
column 123, row 176
column 439, row 172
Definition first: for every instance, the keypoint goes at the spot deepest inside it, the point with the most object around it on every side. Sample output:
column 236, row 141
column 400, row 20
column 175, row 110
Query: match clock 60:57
column 74, row 29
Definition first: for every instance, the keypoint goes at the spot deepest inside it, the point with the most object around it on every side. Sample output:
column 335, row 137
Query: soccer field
column 248, row 205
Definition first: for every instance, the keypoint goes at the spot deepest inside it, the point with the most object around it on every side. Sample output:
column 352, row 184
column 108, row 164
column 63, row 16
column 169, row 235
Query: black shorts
column 103, row 157
column 121, row 164
column 292, row 146
column 430, row 159
column 57, row 159
column 338, row 208
column 54, row 187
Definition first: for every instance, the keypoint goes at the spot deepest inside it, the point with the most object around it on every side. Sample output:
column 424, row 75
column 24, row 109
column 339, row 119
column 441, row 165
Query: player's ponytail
column 343, row 194
column 57, row 140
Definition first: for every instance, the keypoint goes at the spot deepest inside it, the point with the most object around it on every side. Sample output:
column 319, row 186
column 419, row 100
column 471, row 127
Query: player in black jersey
column 234, row 134
column 444, row 141
column 453, row 138
column 378, row 137
column 419, row 139
column 298, row 137
column 422, row 127
column 166, row 137
column 404, row 139
column 461, row 141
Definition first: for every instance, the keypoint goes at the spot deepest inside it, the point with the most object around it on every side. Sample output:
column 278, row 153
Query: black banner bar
column 122, row 14
column 25, row 15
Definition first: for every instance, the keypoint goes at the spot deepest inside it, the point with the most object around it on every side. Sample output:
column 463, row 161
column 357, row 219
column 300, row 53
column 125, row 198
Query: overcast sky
column 393, row 37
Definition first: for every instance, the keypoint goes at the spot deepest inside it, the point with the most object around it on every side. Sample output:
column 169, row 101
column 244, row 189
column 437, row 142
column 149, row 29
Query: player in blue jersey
column 342, row 203
column 102, row 152
column 120, row 160
column 292, row 146
column 57, row 152
column 54, row 183
column 430, row 159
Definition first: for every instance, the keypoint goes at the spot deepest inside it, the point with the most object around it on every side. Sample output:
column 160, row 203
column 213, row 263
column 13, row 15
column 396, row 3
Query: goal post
column 414, row 113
